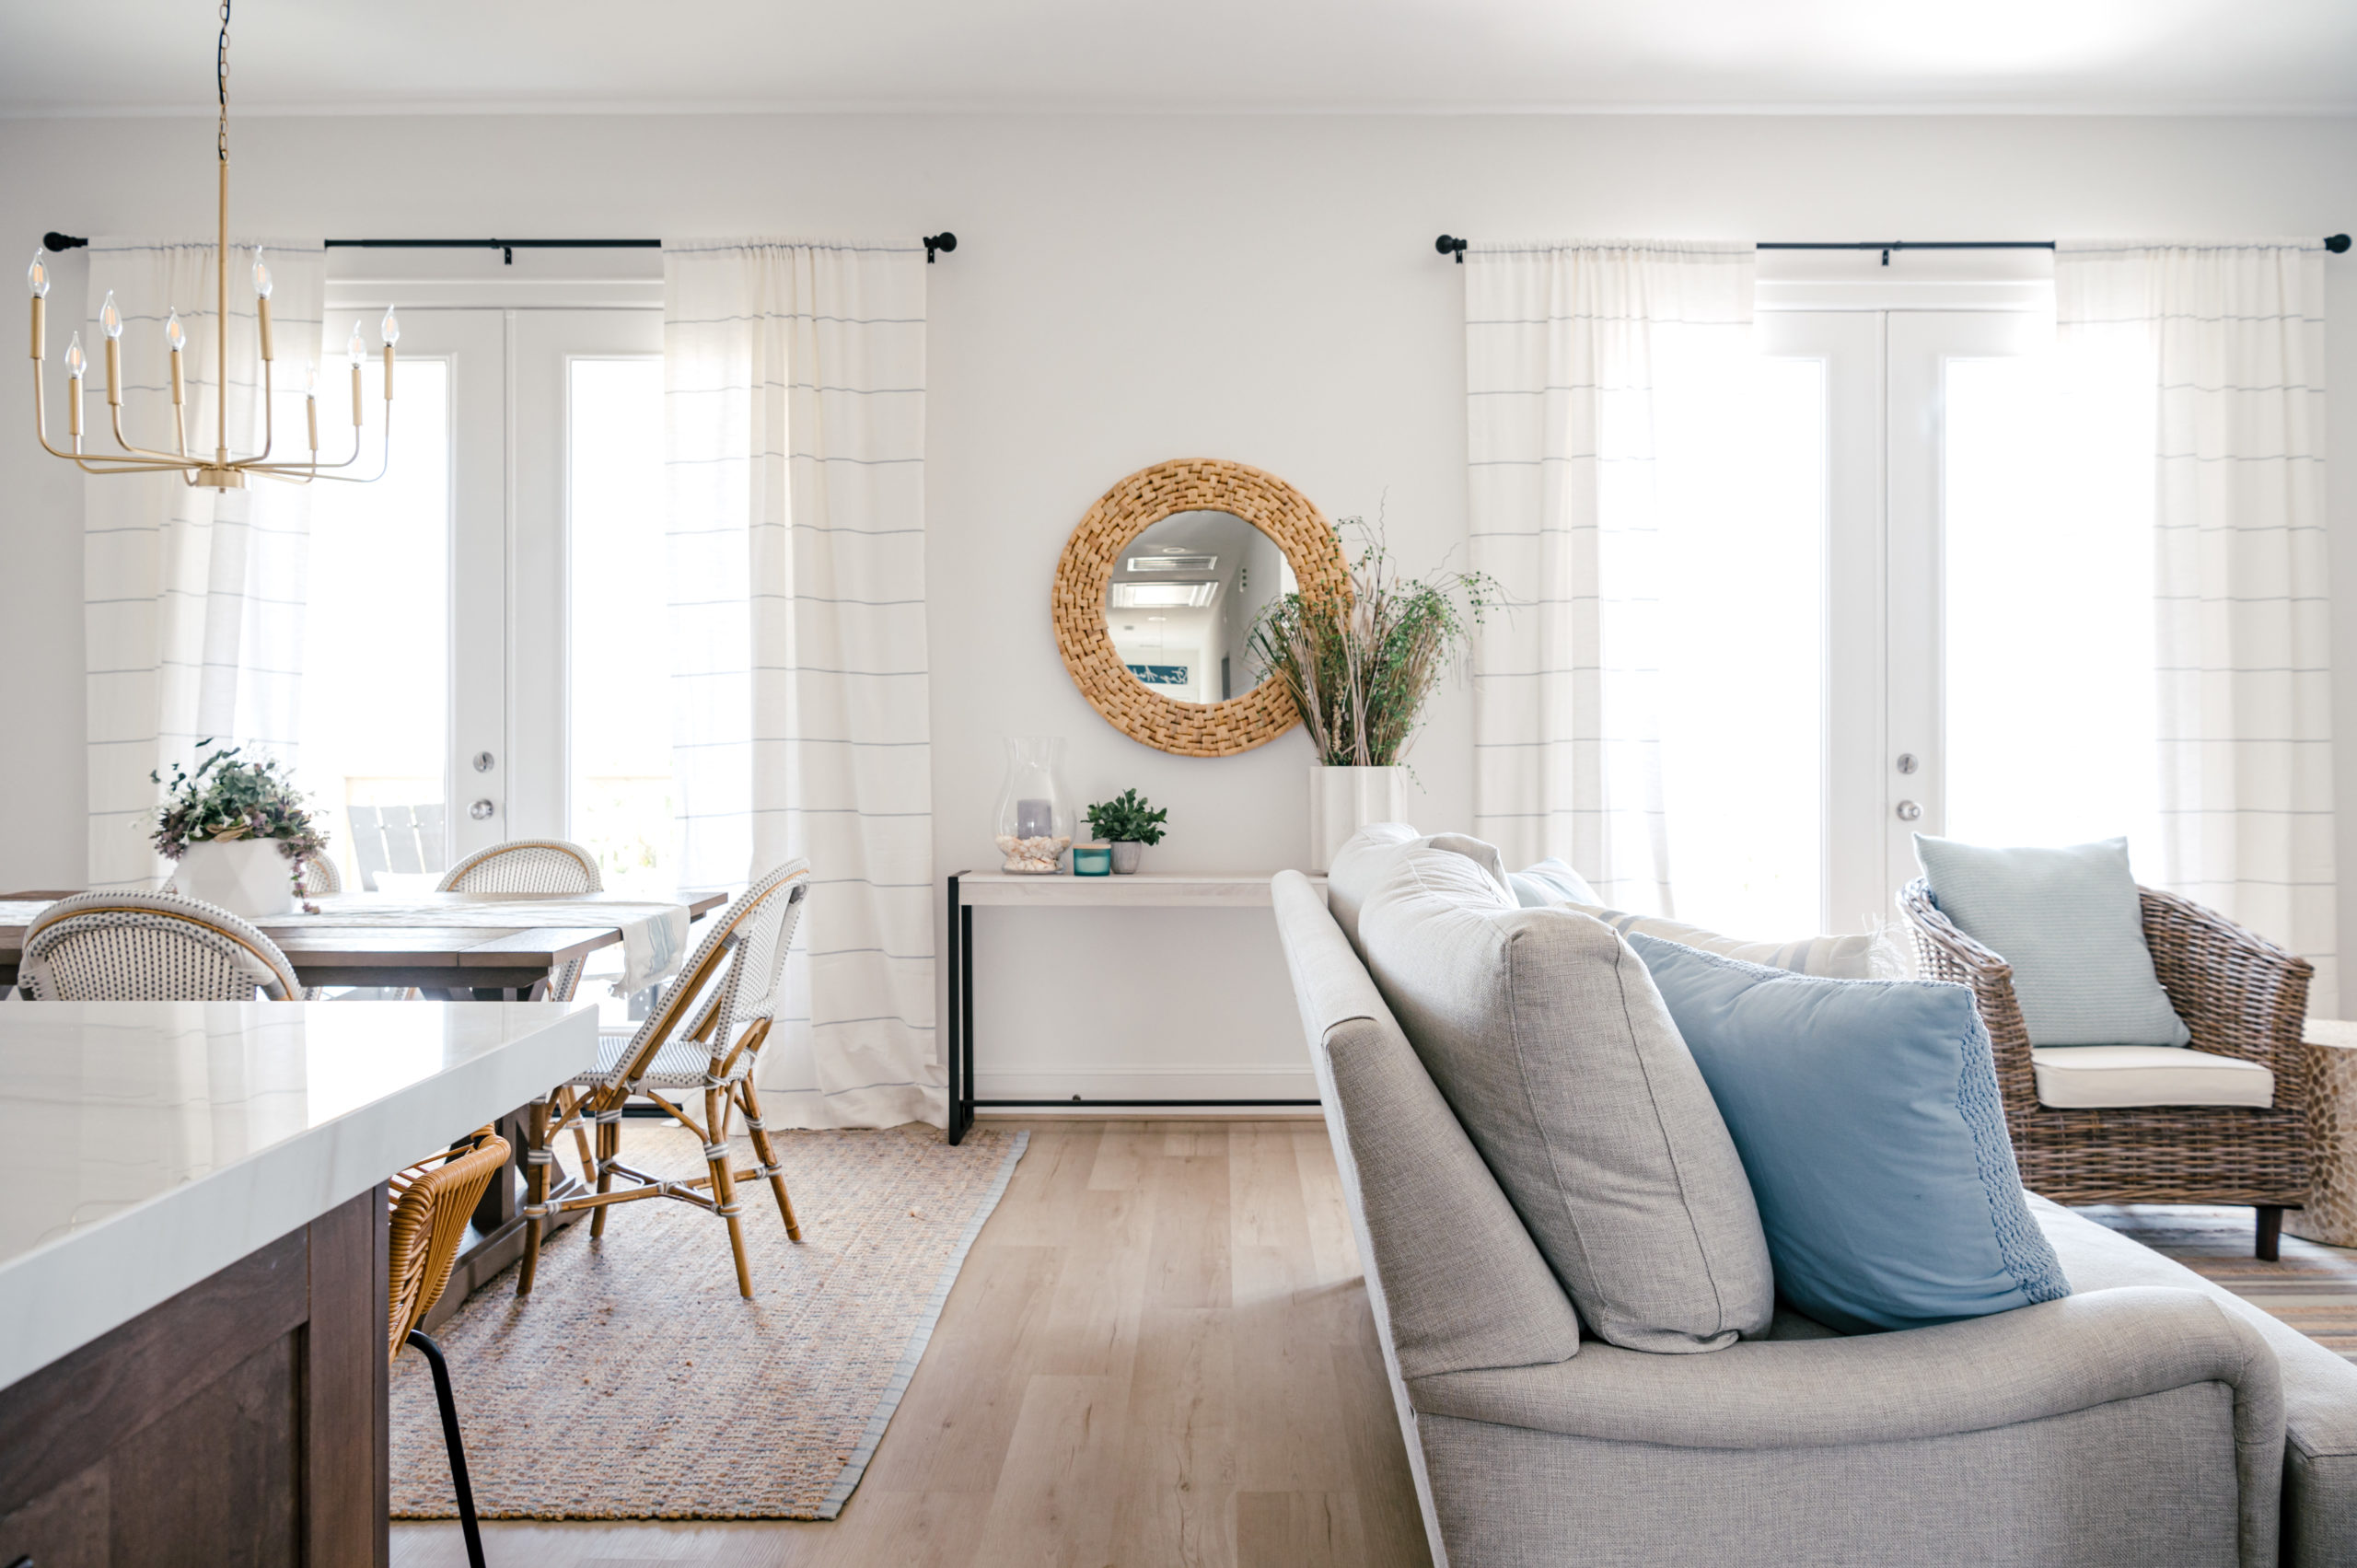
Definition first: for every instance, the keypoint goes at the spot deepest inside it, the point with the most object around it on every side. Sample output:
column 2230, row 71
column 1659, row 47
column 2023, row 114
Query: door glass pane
column 376, row 672
column 623, row 795
column 2048, row 575
column 1743, row 574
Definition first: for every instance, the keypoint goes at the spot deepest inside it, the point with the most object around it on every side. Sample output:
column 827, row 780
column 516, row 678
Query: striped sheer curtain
column 793, row 381
column 2230, row 339
column 1564, row 344
column 192, row 599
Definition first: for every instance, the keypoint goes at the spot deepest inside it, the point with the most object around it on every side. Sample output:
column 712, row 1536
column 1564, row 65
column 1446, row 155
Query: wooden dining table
column 467, row 956
column 446, row 960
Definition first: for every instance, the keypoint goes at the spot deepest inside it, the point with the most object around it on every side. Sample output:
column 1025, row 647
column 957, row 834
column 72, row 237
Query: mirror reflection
column 1181, row 601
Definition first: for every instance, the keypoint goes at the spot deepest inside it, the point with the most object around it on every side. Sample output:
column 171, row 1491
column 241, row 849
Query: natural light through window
column 1742, row 574
column 2047, row 517
column 376, row 683
column 624, row 798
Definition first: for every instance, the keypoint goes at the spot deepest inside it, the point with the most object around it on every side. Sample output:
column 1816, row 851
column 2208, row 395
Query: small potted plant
column 239, row 830
column 1128, row 824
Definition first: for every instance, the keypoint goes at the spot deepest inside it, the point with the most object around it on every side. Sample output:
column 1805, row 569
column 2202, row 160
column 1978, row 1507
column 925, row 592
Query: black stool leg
column 2270, row 1231
column 457, row 1449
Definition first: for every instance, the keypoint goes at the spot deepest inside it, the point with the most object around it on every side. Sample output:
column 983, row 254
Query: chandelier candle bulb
column 175, row 335
column 37, row 275
column 110, row 323
column 74, row 364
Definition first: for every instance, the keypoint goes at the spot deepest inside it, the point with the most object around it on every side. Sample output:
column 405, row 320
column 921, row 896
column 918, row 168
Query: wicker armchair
column 431, row 1203
column 2239, row 993
column 705, row 1036
column 530, row 866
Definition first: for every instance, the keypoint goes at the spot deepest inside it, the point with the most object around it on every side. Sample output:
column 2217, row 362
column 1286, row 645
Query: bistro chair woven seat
column 704, row 1034
column 530, row 866
column 430, row 1203
column 2240, row 995
column 141, row 947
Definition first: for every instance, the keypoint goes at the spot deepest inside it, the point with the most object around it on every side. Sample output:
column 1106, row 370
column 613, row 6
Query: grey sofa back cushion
column 1545, row 1034
column 1372, row 853
column 1452, row 1273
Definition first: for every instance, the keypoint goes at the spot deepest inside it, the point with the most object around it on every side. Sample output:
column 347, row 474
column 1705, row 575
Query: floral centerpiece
column 222, row 819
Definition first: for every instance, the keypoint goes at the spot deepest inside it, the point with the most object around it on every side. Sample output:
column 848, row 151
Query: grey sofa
column 2148, row 1418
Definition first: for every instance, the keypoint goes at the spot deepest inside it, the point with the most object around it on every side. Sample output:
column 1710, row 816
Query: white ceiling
column 358, row 56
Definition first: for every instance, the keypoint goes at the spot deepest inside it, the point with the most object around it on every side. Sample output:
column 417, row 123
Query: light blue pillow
column 1867, row 1117
column 1551, row 882
column 2072, row 924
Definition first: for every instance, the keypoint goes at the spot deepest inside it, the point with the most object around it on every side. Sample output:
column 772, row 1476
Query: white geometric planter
column 247, row 877
column 1343, row 800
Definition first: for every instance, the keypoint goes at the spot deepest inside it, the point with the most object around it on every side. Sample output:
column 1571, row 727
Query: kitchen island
column 192, row 1262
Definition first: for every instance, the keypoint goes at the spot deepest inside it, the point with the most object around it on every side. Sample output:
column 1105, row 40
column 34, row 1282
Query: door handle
column 481, row 810
column 1908, row 811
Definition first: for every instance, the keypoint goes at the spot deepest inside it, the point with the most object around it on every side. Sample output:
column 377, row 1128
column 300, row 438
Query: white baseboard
column 1057, row 1088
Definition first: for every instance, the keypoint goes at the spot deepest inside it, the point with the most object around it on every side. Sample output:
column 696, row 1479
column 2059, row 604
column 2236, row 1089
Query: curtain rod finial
column 2336, row 243
column 945, row 242
column 54, row 241
column 1449, row 245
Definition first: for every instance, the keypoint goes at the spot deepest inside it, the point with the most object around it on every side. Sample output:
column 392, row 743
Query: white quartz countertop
column 144, row 1146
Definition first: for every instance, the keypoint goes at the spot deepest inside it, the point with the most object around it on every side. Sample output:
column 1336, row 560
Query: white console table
column 969, row 890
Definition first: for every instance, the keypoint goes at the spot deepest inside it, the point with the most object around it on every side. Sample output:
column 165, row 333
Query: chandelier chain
column 221, row 68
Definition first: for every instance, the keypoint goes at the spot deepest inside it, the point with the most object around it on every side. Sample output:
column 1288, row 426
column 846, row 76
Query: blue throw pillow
column 1551, row 882
column 2072, row 924
column 1867, row 1117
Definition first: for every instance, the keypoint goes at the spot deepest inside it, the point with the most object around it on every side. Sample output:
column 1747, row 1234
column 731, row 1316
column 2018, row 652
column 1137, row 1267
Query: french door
column 1983, row 667
column 484, row 623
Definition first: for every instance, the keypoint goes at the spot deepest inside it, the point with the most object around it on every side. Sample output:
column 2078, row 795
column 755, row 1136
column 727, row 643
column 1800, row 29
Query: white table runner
column 654, row 935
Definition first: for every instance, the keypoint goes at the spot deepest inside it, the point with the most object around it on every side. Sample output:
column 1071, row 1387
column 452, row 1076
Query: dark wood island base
column 241, row 1423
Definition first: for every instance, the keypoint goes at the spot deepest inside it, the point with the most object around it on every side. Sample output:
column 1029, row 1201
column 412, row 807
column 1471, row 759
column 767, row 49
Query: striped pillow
column 1868, row 956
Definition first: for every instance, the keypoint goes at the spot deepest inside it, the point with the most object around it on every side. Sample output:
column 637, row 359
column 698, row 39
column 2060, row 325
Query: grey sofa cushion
column 1547, row 1036
column 1375, row 851
column 1436, row 1232
column 2319, row 1387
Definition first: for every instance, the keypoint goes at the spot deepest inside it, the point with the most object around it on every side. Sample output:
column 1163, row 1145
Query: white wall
column 1127, row 290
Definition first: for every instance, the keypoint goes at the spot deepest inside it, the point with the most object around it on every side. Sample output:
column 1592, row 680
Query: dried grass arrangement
column 1359, row 665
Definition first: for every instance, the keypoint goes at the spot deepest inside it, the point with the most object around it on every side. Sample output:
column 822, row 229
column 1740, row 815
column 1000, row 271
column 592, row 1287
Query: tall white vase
column 248, row 876
column 1343, row 800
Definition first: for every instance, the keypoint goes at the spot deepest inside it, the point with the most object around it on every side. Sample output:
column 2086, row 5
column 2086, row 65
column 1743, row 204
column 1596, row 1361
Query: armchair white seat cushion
column 2106, row 1077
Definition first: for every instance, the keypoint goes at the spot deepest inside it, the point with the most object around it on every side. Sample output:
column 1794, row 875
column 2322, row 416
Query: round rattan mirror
column 1156, row 592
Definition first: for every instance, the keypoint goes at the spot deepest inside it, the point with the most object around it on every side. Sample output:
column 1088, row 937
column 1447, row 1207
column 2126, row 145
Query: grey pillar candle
column 1035, row 818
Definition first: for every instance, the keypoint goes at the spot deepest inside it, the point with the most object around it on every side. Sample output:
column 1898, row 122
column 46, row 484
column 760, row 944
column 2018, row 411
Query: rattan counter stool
column 706, row 1034
column 2240, row 995
column 139, row 946
column 530, row 866
column 430, row 1203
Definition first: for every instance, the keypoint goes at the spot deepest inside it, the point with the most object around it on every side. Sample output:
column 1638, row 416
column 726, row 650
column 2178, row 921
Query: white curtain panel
column 2228, row 339
column 1564, row 345
column 192, row 598
column 794, row 378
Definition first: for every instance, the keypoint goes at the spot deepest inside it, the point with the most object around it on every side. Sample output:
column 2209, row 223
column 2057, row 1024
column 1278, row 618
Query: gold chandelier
column 222, row 471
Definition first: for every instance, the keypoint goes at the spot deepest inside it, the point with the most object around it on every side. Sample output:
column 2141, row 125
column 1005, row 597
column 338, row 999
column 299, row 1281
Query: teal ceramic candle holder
column 1092, row 860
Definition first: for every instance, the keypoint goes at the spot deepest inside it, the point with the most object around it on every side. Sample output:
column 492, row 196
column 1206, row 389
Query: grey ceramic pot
column 1125, row 855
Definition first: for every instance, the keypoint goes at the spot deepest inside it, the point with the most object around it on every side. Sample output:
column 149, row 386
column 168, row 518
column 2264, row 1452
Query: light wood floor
column 1160, row 1353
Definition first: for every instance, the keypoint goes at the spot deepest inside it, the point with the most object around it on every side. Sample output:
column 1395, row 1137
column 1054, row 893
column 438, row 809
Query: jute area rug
column 2313, row 1287
column 635, row 1382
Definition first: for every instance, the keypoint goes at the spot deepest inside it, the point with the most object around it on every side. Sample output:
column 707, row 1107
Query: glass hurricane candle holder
column 1033, row 809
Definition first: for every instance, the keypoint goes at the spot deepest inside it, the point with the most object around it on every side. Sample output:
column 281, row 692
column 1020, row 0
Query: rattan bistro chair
column 2240, row 995
column 704, row 1034
column 431, row 1204
column 319, row 876
column 530, row 866
column 140, row 947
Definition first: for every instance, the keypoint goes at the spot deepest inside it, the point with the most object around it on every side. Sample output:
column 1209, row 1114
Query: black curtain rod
column 1450, row 245
column 944, row 242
